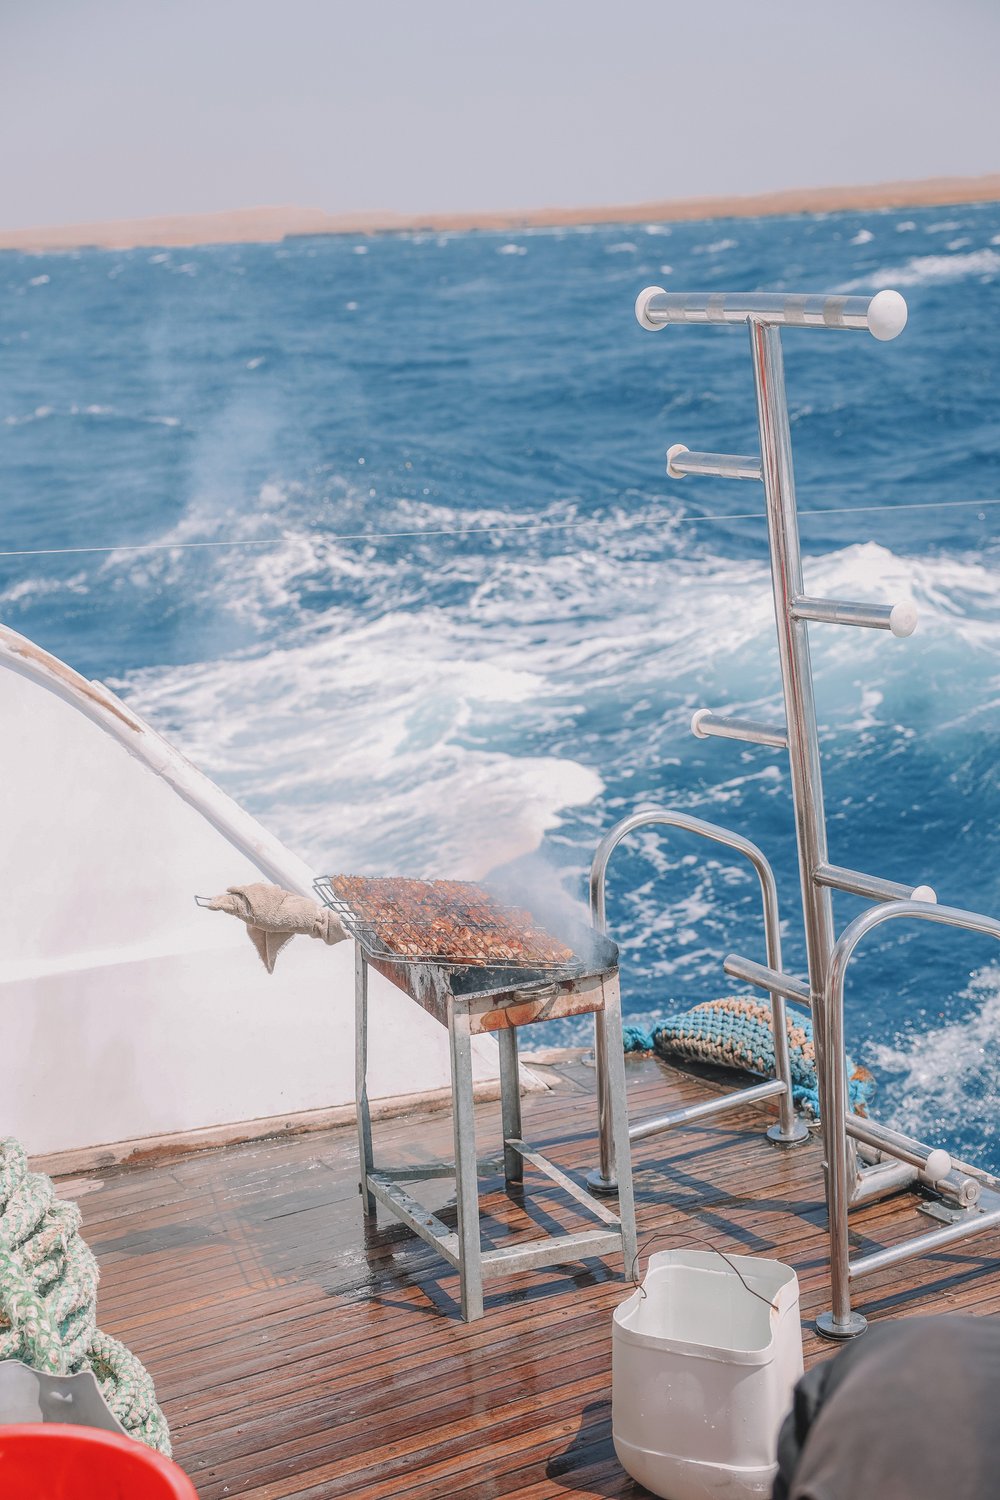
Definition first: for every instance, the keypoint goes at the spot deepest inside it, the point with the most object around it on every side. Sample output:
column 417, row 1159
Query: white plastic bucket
column 702, row 1374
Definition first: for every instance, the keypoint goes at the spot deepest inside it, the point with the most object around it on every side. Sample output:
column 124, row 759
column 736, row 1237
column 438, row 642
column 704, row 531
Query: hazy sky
column 120, row 108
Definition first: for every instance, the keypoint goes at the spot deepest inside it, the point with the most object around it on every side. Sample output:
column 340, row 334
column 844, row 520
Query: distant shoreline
column 264, row 225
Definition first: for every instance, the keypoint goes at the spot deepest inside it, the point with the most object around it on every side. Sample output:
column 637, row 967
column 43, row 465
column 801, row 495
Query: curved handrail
column 789, row 1128
column 842, row 1322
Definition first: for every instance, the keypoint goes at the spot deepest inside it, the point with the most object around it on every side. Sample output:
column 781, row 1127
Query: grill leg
column 361, row 1078
column 466, row 1173
column 510, row 1103
column 617, row 1102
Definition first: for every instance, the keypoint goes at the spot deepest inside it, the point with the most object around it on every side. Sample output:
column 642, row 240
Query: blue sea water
column 434, row 703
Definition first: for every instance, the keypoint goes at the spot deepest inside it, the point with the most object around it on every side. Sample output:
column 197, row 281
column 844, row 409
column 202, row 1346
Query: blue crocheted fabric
column 736, row 1033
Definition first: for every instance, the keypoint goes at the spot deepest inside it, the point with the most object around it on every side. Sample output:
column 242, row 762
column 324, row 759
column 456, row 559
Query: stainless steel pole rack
column 863, row 1160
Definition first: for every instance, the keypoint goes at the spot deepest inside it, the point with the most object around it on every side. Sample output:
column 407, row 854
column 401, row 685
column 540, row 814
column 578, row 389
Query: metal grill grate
column 453, row 923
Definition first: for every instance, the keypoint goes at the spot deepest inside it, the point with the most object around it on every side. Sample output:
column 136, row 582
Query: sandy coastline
column 270, row 224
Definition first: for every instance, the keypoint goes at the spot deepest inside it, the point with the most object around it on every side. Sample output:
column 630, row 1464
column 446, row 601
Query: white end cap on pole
column 671, row 455
column 903, row 618
column 886, row 315
column 937, row 1165
column 642, row 302
column 924, row 893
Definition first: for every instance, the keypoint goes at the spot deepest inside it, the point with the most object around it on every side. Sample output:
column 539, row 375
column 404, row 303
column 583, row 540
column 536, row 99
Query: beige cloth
column 274, row 916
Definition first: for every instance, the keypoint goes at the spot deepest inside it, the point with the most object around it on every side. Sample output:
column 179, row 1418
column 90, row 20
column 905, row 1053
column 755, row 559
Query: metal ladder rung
column 681, row 461
column 763, row 978
column 859, row 884
column 704, row 723
column 900, row 618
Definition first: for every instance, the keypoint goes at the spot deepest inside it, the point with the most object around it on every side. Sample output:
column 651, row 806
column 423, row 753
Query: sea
column 378, row 531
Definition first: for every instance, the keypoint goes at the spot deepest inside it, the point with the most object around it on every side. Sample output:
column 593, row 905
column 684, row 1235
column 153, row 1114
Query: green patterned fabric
column 48, row 1299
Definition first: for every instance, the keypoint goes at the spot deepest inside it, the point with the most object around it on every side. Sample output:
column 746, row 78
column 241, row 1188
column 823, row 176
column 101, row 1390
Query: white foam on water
column 420, row 738
column 357, row 744
column 38, row 415
column 715, row 248
column 32, row 589
column 863, row 237
column 924, row 269
column 947, row 1077
column 512, row 249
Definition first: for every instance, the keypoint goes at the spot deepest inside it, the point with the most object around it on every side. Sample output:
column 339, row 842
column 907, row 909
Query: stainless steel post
column 796, row 671
column 364, row 1123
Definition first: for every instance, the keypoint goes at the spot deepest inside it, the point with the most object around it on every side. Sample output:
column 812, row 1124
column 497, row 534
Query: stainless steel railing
column 842, row 1175
column 789, row 1130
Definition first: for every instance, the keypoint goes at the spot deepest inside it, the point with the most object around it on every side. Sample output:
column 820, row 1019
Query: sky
column 125, row 108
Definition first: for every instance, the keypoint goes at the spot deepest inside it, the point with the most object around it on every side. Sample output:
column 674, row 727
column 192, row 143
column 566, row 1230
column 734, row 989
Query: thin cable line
column 385, row 536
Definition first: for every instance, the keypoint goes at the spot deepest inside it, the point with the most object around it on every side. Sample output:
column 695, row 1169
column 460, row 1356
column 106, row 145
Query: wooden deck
column 298, row 1354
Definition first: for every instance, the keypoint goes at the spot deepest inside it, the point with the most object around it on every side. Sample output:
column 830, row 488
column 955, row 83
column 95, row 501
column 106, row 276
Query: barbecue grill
column 477, row 965
column 445, row 938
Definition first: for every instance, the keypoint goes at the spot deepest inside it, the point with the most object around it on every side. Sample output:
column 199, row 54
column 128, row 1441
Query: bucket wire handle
column 729, row 1262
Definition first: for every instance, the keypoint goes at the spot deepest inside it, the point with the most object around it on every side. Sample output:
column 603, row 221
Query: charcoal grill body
column 474, row 1000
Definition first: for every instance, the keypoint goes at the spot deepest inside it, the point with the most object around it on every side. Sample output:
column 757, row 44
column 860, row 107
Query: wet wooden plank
column 302, row 1353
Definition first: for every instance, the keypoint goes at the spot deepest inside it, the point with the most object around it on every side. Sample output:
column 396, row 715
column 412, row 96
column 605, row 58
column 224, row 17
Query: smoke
column 538, row 886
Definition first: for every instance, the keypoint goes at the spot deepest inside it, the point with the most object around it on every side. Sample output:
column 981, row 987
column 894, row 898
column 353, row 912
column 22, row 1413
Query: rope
column 389, row 536
column 48, row 1299
column 737, row 1033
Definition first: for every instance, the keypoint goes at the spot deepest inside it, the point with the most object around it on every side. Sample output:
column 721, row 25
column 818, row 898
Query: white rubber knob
column 903, row 619
column 886, row 315
column 938, row 1165
column 924, row 893
column 642, row 301
column 671, row 455
column 696, row 718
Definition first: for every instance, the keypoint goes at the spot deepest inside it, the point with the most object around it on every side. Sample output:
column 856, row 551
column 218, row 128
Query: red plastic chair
column 54, row 1461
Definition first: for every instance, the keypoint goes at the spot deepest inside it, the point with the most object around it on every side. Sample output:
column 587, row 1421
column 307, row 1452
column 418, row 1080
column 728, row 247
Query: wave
column 455, row 735
column 359, row 746
column 42, row 413
column 922, row 270
column 942, row 1085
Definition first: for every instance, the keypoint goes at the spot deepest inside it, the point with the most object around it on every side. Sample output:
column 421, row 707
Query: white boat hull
column 129, row 1012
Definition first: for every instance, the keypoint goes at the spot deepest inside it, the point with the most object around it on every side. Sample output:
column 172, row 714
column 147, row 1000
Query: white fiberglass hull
column 127, row 1011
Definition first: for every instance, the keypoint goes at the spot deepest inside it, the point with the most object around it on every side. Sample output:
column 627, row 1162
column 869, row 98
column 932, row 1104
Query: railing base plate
column 796, row 1137
column 601, row 1186
column 838, row 1332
